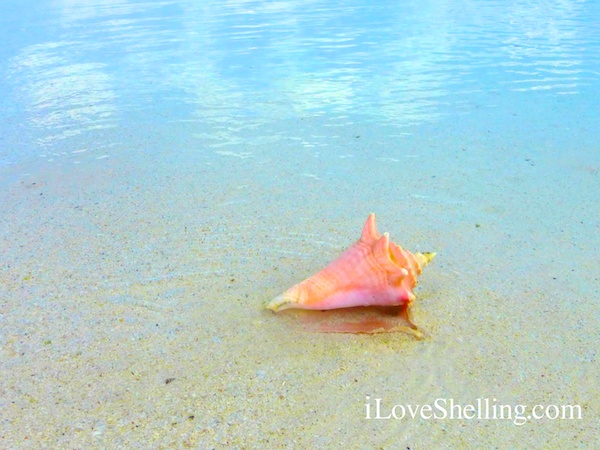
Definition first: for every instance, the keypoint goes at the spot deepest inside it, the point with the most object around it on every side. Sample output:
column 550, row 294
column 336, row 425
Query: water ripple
column 103, row 62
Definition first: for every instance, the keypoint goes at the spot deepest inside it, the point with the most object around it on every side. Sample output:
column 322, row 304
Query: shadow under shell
column 359, row 319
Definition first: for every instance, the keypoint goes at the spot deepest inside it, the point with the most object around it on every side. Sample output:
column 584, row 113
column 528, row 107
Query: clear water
column 170, row 165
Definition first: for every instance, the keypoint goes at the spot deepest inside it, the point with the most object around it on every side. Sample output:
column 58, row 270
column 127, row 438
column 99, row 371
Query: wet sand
column 132, row 290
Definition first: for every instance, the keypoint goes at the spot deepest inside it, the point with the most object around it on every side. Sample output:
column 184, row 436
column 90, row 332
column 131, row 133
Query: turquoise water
column 75, row 72
column 167, row 166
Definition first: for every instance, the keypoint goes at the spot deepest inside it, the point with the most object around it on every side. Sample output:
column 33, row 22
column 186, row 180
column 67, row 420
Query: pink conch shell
column 372, row 272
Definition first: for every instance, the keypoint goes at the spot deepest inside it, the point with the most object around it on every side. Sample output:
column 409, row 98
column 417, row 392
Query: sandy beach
column 133, row 290
column 166, row 169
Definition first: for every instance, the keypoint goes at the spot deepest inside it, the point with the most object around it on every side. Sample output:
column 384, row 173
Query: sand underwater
column 132, row 300
column 136, row 259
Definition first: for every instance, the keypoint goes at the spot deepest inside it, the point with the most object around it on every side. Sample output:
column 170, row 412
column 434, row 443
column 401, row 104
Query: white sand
column 131, row 293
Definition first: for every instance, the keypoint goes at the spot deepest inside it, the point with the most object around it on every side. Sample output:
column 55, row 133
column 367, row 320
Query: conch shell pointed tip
column 281, row 302
column 425, row 258
column 274, row 304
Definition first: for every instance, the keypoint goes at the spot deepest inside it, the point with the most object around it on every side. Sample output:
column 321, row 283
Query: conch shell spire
column 372, row 272
column 424, row 258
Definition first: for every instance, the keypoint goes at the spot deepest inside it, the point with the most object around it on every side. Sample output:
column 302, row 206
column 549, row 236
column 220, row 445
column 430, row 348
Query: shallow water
column 166, row 167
